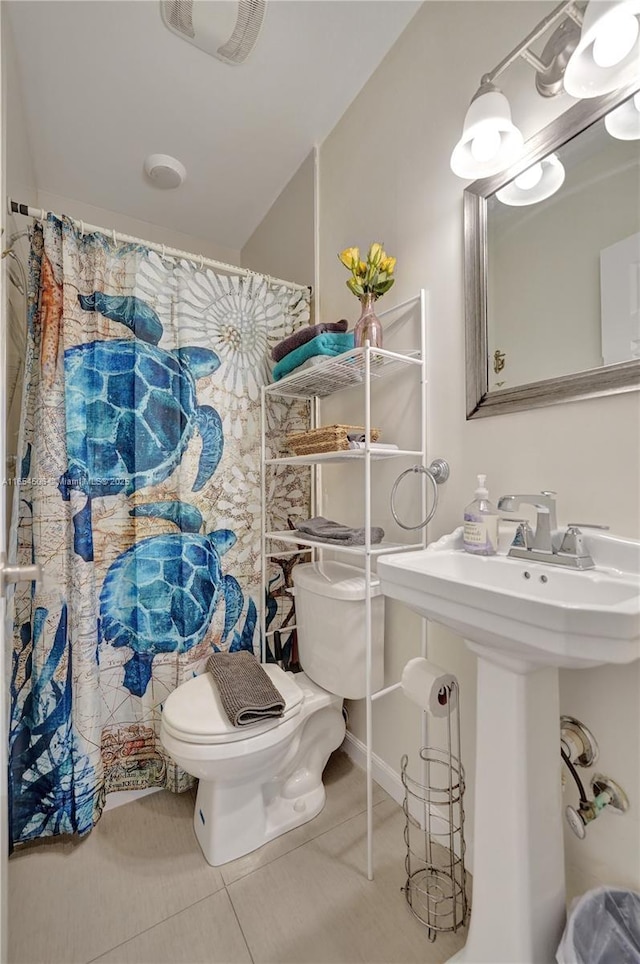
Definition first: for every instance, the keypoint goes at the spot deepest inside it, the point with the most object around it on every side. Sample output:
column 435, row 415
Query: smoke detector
column 226, row 29
column 164, row 171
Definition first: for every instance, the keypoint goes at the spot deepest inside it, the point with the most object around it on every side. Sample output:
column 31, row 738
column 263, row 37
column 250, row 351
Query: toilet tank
column 330, row 616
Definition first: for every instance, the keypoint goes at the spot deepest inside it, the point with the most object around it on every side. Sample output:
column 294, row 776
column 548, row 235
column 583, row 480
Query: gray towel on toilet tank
column 247, row 693
column 328, row 531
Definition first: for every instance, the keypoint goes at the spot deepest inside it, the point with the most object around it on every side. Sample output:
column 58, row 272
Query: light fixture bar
column 568, row 8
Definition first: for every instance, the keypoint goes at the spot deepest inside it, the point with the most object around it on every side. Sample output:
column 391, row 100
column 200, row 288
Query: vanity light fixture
column 624, row 121
column 608, row 54
column 537, row 183
column 592, row 51
column 490, row 141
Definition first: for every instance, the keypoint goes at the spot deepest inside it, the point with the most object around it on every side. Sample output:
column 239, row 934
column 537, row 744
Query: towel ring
column 437, row 473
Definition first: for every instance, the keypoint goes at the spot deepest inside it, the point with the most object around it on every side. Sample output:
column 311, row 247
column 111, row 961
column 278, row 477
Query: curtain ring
column 43, row 214
column 163, row 251
column 82, row 229
column 437, row 473
column 113, row 235
column 202, row 262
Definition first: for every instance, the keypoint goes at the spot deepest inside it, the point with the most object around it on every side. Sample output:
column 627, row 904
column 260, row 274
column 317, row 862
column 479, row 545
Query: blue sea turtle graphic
column 131, row 410
column 160, row 595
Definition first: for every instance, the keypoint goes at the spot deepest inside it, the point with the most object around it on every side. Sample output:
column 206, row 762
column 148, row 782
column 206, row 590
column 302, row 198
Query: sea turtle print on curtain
column 132, row 410
column 140, row 499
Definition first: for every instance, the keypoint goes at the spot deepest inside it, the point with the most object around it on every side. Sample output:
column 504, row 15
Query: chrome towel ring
column 437, row 473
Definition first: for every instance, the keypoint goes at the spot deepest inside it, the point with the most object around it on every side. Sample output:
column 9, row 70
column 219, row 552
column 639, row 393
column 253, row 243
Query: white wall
column 20, row 183
column 20, row 176
column 282, row 244
column 384, row 175
column 139, row 229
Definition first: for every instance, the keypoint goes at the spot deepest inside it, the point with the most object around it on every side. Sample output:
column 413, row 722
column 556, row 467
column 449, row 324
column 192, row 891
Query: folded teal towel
column 329, row 343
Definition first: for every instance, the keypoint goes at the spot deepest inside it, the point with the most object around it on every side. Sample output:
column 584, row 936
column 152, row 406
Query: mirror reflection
column 563, row 255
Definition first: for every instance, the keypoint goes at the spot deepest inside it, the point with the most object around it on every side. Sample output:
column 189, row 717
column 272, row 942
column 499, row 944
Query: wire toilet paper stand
column 436, row 885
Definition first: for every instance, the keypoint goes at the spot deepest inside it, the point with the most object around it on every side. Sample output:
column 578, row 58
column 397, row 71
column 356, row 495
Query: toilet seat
column 193, row 713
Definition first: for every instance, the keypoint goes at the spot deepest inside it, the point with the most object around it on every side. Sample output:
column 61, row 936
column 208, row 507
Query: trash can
column 603, row 928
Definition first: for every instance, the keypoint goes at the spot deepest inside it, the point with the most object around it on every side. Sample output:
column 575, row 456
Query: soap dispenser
column 481, row 523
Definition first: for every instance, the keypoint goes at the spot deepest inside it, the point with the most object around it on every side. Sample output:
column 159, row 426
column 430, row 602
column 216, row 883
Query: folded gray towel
column 328, row 531
column 247, row 693
column 302, row 335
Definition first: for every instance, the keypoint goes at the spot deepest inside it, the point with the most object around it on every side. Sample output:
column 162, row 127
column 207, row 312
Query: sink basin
column 523, row 621
column 538, row 614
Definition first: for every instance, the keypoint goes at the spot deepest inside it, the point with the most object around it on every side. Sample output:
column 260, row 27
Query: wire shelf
column 343, row 371
column 377, row 549
column 349, row 455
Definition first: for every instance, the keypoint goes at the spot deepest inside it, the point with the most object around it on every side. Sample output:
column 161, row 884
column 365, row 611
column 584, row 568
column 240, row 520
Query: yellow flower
column 372, row 276
column 350, row 258
column 376, row 254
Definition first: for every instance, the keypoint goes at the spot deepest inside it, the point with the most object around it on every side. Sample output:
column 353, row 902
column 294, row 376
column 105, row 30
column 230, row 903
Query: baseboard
column 391, row 781
column 384, row 775
column 121, row 797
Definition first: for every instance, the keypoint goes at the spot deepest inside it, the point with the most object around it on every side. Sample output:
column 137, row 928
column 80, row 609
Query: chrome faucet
column 546, row 521
column 570, row 550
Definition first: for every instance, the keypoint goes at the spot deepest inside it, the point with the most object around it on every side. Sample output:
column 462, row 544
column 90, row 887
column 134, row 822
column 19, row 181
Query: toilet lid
column 194, row 712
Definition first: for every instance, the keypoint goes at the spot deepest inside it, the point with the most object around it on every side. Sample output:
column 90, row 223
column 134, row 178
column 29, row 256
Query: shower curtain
column 139, row 496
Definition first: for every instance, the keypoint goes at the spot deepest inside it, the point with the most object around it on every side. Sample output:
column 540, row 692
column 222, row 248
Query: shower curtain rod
column 15, row 207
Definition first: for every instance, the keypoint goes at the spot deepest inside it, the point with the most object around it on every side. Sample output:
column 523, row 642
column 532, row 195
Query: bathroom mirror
column 552, row 288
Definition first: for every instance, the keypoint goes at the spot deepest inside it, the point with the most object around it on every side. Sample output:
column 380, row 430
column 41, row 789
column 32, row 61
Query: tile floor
column 138, row 891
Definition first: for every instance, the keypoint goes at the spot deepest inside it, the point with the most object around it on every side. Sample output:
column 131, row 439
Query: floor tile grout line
column 115, row 947
column 225, row 886
column 244, row 936
column 303, row 843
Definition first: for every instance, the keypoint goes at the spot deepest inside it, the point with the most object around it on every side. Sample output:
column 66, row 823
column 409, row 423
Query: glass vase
column 368, row 326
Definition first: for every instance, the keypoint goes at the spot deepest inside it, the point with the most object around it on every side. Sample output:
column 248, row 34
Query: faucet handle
column 524, row 535
column 586, row 525
column 572, row 541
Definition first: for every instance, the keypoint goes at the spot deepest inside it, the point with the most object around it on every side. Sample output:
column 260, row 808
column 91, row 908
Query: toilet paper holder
column 436, row 884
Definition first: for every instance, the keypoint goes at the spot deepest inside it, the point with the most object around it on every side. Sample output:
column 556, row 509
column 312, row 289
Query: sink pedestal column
column 518, row 905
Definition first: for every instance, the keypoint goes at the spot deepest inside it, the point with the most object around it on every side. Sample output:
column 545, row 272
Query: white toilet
column 258, row 781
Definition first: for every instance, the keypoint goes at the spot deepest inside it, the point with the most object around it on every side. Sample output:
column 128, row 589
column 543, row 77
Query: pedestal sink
column 523, row 621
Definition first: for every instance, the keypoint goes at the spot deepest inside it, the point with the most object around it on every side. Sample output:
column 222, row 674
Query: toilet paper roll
column 429, row 686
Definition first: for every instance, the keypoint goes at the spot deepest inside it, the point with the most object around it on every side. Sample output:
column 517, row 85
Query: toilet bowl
column 258, row 781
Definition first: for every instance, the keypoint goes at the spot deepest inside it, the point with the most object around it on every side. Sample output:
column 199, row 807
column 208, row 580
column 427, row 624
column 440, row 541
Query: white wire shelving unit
column 355, row 369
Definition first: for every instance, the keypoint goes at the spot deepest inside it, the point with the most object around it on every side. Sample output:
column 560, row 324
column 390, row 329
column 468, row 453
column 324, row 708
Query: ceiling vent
column 226, row 29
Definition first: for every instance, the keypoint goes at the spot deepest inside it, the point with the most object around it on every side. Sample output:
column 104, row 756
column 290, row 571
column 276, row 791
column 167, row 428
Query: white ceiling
column 104, row 83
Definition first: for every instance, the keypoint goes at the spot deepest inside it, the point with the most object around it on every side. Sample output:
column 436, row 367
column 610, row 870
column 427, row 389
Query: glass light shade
column 546, row 177
column 608, row 53
column 624, row 121
column 490, row 141
column 529, row 178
